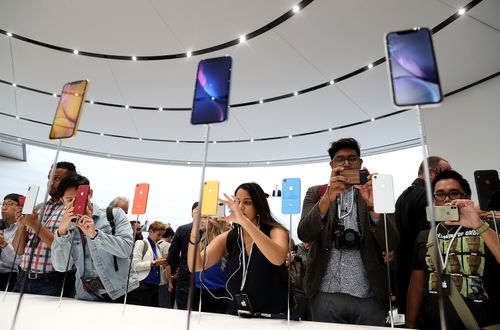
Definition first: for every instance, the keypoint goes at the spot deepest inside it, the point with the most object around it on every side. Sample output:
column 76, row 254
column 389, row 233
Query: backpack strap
column 111, row 220
column 144, row 248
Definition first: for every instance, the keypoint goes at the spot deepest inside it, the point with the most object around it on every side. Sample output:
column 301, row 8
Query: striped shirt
column 41, row 262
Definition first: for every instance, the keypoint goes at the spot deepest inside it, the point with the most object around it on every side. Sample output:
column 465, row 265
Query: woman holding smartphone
column 256, row 248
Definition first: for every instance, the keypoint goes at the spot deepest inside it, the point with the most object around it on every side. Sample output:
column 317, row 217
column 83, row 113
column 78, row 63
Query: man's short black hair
column 455, row 176
column 169, row 232
column 195, row 205
column 13, row 197
column 346, row 143
column 71, row 181
column 67, row 166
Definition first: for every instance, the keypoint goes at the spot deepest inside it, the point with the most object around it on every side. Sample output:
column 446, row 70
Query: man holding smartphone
column 42, row 278
column 101, row 257
column 346, row 276
column 8, row 228
column 410, row 221
column 470, row 257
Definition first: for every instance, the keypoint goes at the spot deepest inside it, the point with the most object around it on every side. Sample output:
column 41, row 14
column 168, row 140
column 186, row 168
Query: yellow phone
column 210, row 198
column 68, row 110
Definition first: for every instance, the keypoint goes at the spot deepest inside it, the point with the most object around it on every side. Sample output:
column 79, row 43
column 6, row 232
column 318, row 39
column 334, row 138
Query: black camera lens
column 349, row 236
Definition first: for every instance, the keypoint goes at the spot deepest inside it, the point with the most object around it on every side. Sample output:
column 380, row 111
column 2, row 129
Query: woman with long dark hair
column 256, row 248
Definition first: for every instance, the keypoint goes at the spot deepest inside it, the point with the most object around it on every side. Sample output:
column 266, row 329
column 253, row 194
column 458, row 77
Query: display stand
column 36, row 238
column 197, row 229
column 129, row 268
column 428, row 191
column 387, row 257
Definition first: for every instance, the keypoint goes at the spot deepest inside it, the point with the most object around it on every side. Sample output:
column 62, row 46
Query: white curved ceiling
column 326, row 40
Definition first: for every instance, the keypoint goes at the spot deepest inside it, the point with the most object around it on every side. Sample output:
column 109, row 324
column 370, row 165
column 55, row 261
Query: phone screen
column 211, row 93
column 488, row 189
column 140, row 198
column 412, row 68
column 80, row 204
column 290, row 196
column 68, row 110
column 210, row 198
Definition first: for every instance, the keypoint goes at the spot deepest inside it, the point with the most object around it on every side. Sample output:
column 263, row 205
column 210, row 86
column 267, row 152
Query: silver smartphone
column 444, row 213
column 383, row 193
column 221, row 210
column 30, row 201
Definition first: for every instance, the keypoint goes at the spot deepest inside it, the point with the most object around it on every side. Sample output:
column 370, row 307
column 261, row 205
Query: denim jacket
column 100, row 251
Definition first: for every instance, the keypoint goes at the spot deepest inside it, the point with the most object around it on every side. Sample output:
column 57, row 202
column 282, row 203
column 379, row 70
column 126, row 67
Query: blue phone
column 412, row 68
column 211, row 93
column 290, row 196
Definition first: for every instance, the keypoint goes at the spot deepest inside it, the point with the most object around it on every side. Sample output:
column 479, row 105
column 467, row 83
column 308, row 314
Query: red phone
column 22, row 199
column 140, row 198
column 82, row 195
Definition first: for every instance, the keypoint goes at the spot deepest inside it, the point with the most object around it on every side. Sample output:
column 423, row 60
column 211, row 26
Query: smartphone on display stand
column 488, row 189
column 443, row 213
column 30, row 201
column 413, row 72
column 290, row 196
column 69, row 110
column 211, row 92
column 140, row 198
column 383, row 193
column 81, row 198
column 210, row 198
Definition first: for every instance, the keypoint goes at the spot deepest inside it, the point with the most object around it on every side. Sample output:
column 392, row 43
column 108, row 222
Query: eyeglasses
column 9, row 204
column 341, row 160
column 441, row 196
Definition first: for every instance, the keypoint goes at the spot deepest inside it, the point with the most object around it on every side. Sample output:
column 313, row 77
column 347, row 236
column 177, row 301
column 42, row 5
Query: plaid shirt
column 41, row 262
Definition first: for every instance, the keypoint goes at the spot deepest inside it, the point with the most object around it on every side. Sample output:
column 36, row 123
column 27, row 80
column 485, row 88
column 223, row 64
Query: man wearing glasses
column 346, row 274
column 473, row 244
column 8, row 228
column 410, row 221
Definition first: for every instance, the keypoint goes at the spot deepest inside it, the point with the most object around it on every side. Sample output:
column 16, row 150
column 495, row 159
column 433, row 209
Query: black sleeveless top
column 266, row 284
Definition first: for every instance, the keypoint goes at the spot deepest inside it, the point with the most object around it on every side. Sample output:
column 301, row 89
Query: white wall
column 466, row 130
column 174, row 188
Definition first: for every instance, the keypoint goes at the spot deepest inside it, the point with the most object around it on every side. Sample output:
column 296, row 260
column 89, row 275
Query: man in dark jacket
column 346, row 272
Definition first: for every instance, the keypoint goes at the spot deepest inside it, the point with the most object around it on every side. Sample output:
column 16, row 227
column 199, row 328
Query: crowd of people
column 338, row 273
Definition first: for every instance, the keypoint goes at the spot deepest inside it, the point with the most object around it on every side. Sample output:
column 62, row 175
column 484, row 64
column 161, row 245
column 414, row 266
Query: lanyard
column 445, row 261
column 245, row 266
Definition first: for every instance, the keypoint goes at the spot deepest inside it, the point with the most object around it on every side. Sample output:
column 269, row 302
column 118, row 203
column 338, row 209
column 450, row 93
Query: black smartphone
column 413, row 72
column 243, row 303
column 488, row 189
column 211, row 92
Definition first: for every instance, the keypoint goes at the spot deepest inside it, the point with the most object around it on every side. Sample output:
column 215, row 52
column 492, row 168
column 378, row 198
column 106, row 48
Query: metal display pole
column 289, row 271
column 433, row 232
column 197, row 229
column 391, row 315
column 129, row 268
column 36, row 238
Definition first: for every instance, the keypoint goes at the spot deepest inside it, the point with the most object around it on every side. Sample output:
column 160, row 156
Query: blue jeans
column 49, row 286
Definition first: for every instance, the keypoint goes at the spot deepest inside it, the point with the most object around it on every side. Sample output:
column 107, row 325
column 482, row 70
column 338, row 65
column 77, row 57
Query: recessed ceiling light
column 102, row 134
column 91, row 101
column 17, row 117
column 14, row 84
column 261, row 101
column 251, row 140
column 332, row 82
column 54, row 94
column 19, row 139
column 189, row 53
column 296, row 9
column 75, row 51
column 160, row 109
column 134, row 58
column 295, row 93
column 126, row 106
column 243, row 39
column 370, row 66
column 9, row 34
column 461, row 11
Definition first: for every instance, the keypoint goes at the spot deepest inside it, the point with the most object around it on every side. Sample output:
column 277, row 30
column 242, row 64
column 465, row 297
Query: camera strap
column 445, row 261
column 246, row 264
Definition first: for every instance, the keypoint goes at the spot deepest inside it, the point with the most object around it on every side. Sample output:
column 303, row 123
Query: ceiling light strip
column 189, row 53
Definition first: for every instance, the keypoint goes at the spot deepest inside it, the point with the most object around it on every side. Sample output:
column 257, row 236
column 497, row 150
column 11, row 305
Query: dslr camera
column 346, row 239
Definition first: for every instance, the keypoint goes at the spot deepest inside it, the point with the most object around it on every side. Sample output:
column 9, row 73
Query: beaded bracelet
column 482, row 228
